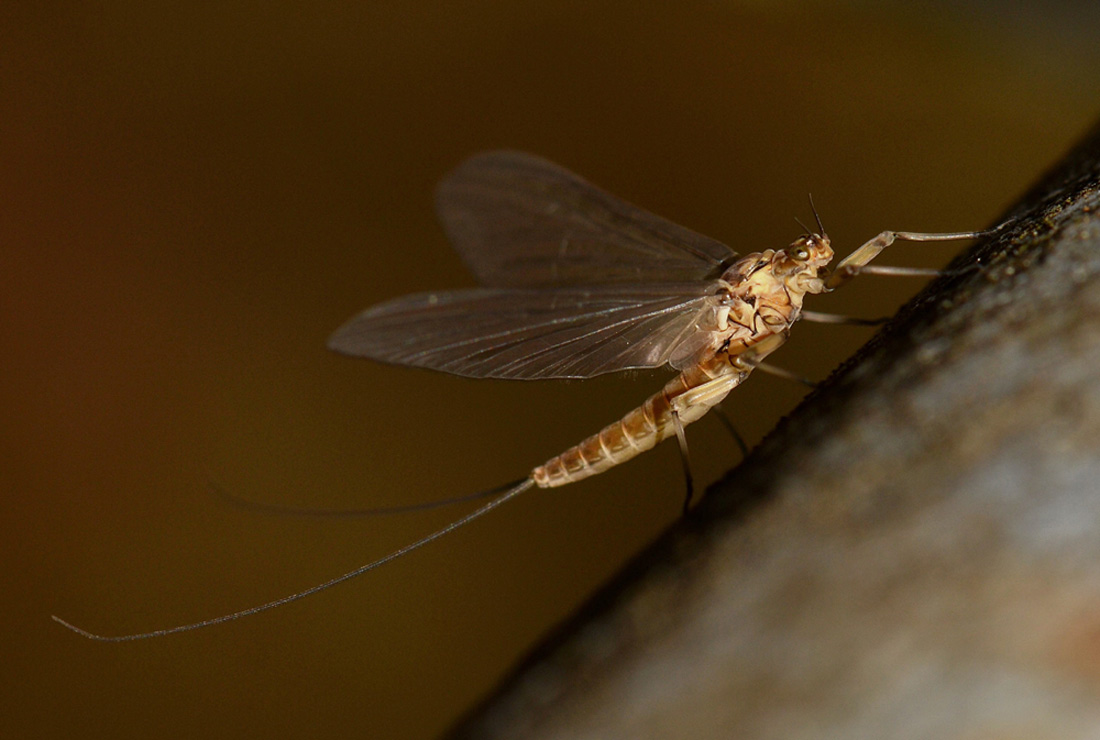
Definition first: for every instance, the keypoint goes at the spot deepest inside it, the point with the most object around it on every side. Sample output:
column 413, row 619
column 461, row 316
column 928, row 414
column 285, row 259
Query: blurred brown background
column 193, row 199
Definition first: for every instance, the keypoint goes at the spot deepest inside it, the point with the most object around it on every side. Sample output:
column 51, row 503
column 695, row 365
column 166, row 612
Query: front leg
column 854, row 263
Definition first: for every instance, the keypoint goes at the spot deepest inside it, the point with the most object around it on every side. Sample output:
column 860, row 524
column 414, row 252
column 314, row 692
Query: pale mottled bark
column 915, row 552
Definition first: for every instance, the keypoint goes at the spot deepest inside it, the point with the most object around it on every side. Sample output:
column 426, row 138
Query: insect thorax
column 763, row 293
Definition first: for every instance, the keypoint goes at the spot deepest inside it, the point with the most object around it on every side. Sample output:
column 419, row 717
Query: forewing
column 528, row 334
column 521, row 221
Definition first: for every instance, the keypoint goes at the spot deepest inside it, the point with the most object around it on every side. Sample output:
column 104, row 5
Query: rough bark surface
column 914, row 552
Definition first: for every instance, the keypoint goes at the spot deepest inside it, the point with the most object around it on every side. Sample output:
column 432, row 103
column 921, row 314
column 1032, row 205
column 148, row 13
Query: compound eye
column 800, row 253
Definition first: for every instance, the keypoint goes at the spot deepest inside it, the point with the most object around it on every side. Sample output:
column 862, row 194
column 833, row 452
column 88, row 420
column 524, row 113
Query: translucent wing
column 572, row 332
column 521, row 221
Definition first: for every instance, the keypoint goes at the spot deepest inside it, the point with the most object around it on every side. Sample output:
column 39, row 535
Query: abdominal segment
column 642, row 428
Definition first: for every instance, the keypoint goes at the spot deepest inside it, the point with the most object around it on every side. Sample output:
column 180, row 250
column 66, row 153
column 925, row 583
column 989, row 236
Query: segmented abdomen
column 639, row 430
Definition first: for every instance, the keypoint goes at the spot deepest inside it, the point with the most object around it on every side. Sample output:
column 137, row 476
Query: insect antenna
column 817, row 216
column 507, row 492
column 265, row 507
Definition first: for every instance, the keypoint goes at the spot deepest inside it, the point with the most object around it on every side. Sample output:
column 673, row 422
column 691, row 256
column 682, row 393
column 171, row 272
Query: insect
column 577, row 283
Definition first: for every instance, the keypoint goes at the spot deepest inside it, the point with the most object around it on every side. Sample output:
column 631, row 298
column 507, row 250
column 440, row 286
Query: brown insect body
column 577, row 283
column 759, row 298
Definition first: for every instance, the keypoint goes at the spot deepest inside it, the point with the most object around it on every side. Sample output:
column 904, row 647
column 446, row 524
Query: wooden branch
column 914, row 552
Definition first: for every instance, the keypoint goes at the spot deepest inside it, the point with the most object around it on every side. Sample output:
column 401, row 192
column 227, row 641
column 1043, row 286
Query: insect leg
column 727, row 422
column 785, row 374
column 681, row 437
column 855, row 263
column 893, row 271
column 835, row 318
column 707, row 395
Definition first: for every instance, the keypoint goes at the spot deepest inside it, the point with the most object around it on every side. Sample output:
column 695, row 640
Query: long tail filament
column 510, row 491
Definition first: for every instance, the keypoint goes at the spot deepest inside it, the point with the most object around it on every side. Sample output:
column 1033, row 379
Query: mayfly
column 577, row 283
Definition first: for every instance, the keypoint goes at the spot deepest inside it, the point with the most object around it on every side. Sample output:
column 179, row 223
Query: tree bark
column 914, row 552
